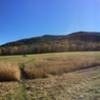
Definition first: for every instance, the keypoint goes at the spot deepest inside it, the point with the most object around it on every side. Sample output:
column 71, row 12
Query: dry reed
column 9, row 72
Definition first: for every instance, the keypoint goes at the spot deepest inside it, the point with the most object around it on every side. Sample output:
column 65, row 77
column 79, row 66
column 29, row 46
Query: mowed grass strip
column 9, row 72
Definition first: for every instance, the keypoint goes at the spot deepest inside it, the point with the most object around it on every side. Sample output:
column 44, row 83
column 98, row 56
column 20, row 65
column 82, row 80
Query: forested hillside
column 78, row 41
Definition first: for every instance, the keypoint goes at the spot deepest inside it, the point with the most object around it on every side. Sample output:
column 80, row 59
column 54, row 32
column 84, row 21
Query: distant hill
column 78, row 41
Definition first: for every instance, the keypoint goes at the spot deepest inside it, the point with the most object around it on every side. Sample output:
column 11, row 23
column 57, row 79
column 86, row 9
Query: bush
column 32, row 72
column 9, row 72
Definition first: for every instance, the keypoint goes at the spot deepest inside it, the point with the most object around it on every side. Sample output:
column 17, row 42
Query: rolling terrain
column 68, row 69
column 78, row 41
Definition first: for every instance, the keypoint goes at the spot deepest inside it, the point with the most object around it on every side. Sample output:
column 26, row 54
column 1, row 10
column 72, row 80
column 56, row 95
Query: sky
column 29, row 18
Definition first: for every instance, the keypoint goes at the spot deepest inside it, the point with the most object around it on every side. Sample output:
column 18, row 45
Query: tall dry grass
column 43, row 65
column 9, row 72
column 57, row 65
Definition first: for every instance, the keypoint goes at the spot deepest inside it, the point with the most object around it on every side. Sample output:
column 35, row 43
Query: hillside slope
column 78, row 41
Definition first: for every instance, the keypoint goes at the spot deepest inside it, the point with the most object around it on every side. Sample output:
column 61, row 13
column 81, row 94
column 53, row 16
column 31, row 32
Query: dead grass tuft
column 9, row 72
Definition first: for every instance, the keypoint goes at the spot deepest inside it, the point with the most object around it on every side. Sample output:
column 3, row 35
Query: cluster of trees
column 50, row 47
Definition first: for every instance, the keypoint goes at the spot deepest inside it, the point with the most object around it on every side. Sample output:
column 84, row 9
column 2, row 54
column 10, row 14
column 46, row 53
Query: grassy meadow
column 44, row 65
column 46, row 75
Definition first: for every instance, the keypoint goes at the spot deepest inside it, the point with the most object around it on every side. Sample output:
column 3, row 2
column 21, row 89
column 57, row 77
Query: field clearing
column 44, row 65
column 71, row 75
column 49, row 56
column 24, row 59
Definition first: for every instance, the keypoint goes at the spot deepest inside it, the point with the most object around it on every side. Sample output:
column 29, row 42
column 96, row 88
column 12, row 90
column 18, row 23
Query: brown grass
column 43, row 65
column 9, row 72
column 57, row 65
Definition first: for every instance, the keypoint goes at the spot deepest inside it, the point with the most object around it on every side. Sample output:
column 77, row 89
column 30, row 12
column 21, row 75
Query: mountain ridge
column 76, row 41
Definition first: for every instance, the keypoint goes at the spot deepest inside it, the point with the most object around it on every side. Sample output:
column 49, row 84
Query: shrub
column 34, row 72
column 9, row 72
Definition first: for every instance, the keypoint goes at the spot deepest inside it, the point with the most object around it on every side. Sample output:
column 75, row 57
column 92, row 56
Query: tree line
column 50, row 47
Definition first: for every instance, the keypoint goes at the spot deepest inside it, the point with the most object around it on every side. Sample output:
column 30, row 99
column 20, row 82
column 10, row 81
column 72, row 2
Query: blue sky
column 27, row 18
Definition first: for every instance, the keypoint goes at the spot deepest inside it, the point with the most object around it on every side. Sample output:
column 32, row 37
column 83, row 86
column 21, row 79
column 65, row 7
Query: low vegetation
column 45, row 65
column 79, row 85
column 58, row 64
column 9, row 72
column 72, row 76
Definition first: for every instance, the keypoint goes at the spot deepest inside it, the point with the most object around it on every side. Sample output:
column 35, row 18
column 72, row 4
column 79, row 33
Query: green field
column 54, row 76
